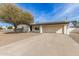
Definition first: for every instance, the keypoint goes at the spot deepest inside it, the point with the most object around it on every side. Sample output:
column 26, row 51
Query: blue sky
column 51, row 12
column 5, row 24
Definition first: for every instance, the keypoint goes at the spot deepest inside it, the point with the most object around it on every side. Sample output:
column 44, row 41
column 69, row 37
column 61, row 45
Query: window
column 36, row 28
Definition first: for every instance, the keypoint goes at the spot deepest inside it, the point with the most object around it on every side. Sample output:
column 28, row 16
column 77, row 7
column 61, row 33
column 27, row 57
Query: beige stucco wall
column 56, row 28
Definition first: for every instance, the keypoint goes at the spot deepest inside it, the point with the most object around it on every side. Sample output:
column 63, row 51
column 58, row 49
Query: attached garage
column 57, row 28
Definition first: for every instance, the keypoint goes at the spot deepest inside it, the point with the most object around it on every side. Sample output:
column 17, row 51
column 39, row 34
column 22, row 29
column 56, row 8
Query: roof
column 50, row 23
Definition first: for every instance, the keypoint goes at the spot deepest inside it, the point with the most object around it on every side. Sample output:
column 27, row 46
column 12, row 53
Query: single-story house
column 53, row 27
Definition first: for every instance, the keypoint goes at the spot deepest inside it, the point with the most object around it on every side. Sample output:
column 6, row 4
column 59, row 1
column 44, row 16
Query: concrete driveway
column 47, row 44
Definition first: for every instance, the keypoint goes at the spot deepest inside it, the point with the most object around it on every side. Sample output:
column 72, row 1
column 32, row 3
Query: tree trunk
column 15, row 27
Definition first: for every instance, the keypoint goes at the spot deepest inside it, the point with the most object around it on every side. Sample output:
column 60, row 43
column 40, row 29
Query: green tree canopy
column 12, row 14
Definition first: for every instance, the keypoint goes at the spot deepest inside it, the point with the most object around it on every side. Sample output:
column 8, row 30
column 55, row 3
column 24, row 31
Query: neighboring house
column 6, row 29
column 25, row 28
column 54, row 27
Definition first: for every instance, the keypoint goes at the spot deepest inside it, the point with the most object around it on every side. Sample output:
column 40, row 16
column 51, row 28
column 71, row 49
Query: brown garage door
column 52, row 28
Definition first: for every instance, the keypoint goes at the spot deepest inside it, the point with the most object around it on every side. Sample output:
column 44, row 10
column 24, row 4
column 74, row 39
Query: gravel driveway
column 46, row 44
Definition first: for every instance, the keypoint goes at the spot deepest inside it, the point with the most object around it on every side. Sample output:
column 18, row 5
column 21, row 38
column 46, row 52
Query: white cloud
column 70, row 8
column 41, row 18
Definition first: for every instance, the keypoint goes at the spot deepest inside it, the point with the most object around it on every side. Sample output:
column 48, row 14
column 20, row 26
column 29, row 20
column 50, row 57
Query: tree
column 1, row 28
column 10, row 27
column 10, row 13
column 24, row 16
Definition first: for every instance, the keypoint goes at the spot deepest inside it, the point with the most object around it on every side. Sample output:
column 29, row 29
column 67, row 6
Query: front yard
column 7, row 38
column 37, row 44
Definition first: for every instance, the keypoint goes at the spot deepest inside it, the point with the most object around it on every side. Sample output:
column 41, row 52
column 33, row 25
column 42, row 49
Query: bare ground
column 7, row 38
column 46, row 44
column 75, row 37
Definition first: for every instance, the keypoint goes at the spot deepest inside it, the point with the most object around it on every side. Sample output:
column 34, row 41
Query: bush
column 10, row 27
column 1, row 28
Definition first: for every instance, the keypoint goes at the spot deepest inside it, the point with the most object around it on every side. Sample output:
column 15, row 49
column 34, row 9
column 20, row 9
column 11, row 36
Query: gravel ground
column 46, row 44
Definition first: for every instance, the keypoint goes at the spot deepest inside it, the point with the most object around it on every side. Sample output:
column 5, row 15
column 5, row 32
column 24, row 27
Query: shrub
column 10, row 27
column 1, row 28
